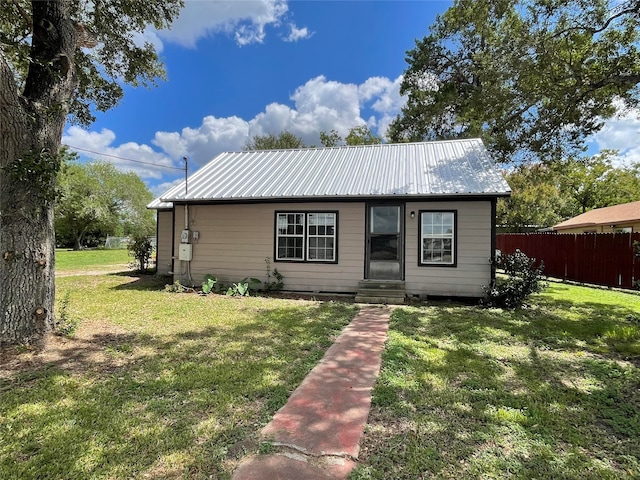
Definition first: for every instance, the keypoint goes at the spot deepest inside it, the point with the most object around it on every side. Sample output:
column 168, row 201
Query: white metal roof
column 454, row 167
column 158, row 204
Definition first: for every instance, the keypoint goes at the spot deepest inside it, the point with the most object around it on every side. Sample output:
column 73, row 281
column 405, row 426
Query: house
column 624, row 218
column 414, row 218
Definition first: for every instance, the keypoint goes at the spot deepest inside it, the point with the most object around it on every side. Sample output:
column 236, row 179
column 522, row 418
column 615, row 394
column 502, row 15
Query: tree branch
column 27, row 18
column 633, row 9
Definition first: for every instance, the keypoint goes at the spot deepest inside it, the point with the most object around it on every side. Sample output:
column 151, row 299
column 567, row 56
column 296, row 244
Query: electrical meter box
column 184, row 236
column 185, row 252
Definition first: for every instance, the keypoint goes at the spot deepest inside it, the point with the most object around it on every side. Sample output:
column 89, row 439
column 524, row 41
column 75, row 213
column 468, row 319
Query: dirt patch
column 88, row 349
column 105, row 271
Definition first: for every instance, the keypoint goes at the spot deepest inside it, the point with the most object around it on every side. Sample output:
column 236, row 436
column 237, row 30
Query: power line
column 123, row 158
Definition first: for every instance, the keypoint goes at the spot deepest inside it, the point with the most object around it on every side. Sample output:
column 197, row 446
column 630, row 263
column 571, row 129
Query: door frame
column 401, row 236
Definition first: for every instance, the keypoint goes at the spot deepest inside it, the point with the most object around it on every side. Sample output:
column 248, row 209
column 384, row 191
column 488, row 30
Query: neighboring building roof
column 617, row 214
column 454, row 167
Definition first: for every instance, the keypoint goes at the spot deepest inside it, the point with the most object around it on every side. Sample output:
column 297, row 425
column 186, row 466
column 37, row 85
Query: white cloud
column 201, row 144
column 621, row 133
column 297, row 33
column 387, row 101
column 245, row 20
column 318, row 105
column 97, row 145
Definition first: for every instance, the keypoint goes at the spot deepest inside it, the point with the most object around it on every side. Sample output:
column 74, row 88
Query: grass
column 545, row 392
column 163, row 386
column 79, row 260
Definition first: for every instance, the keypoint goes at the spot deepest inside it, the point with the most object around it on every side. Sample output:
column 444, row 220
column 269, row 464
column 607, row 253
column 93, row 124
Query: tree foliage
column 544, row 194
column 360, row 135
column 108, row 47
column 270, row 141
column 536, row 200
column 97, row 199
column 533, row 78
column 593, row 182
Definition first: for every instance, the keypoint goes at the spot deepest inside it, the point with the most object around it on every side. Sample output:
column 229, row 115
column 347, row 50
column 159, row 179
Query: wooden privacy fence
column 597, row 258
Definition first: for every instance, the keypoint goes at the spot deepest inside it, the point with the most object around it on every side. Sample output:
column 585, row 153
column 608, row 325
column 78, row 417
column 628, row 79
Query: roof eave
column 336, row 197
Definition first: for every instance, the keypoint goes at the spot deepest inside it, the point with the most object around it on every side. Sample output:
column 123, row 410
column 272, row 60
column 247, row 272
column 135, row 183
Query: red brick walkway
column 316, row 434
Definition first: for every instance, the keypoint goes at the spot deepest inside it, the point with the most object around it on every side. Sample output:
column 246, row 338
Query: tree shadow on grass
column 476, row 393
column 142, row 282
column 175, row 405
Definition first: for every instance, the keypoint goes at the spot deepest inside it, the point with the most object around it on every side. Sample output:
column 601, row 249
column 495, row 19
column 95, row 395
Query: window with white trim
column 437, row 238
column 306, row 236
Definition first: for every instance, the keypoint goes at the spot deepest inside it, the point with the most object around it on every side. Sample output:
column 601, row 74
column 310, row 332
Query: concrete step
column 372, row 292
column 379, row 299
column 381, row 284
column 381, row 291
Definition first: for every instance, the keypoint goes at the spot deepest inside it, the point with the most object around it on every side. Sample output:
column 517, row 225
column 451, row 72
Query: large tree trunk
column 31, row 126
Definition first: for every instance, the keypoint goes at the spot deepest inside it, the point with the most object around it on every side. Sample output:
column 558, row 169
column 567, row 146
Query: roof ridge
column 373, row 145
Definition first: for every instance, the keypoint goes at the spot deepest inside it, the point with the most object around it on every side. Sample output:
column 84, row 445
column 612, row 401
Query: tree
column 57, row 58
column 330, row 139
column 583, row 179
column 533, row 78
column 272, row 142
column 621, row 185
column 536, row 201
column 96, row 198
column 593, row 182
column 360, row 135
column 544, row 194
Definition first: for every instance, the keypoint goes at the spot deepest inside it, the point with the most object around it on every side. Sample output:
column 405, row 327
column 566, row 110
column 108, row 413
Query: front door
column 385, row 239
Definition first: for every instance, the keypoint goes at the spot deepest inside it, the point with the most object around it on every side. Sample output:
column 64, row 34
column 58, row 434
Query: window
column 438, row 238
column 290, row 236
column 306, row 236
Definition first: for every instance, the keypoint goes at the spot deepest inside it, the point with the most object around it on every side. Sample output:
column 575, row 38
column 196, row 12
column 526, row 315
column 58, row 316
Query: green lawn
column 171, row 385
column 165, row 385
column 547, row 392
column 70, row 260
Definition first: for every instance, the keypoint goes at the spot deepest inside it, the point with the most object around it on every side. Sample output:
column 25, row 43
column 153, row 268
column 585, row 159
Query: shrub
column 523, row 278
column 140, row 248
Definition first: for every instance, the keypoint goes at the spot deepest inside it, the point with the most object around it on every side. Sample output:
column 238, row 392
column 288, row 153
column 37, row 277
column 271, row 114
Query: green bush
column 523, row 278
column 140, row 248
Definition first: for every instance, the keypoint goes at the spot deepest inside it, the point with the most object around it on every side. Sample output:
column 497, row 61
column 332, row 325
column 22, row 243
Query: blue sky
column 244, row 68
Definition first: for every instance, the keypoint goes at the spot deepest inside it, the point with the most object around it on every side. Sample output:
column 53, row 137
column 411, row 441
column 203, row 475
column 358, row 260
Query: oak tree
column 58, row 59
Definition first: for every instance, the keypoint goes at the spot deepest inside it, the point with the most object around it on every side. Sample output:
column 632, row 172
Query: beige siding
column 164, row 245
column 234, row 241
column 473, row 269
